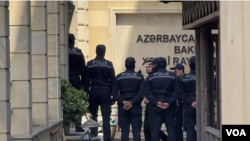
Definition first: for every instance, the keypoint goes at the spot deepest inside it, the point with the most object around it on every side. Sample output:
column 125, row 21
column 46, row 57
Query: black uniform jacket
column 99, row 73
column 129, row 86
column 162, row 83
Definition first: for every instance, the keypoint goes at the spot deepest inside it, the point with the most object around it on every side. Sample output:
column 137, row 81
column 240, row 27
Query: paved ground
column 118, row 136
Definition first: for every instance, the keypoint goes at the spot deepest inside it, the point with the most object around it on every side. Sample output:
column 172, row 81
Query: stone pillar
column 39, row 63
column 20, row 67
column 64, row 40
column 234, row 49
column 83, row 34
column 4, row 73
column 74, row 23
column 54, row 82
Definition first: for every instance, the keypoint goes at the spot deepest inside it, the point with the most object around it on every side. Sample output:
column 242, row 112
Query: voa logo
column 236, row 132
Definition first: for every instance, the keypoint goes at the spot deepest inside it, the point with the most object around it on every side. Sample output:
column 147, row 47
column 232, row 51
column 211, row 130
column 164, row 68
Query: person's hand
column 165, row 105
column 145, row 101
column 162, row 105
column 127, row 105
column 194, row 104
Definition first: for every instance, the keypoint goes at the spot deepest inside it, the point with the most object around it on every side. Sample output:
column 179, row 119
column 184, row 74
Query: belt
column 162, row 97
column 100, row 86
column 128, row 99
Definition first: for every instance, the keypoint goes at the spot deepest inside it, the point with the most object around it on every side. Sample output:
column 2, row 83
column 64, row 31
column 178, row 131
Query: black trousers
column 147, row 128
column 76, row 83
column 101, row 97
column 190, row 122
column 179, row 122
column 132, row 117
column 160, row 116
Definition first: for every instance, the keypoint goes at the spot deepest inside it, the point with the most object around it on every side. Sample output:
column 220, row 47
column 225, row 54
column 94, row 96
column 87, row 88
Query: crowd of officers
column 170, row 97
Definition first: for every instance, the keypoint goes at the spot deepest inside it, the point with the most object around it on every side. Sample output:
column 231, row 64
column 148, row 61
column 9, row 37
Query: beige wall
column 118, row 25
column 145, row 36
column 235, row 66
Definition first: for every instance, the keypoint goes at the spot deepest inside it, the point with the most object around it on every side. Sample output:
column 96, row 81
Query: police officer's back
column 189, row 100
column 130, row 85
column 162, row 90
column 150, row 68
column 100, row 76
column 76, row 69
column 76, row 64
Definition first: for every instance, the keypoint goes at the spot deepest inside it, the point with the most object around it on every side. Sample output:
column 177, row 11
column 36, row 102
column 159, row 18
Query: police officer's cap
column 154, row 62
column 71, row 37
column 178, row 66
column 130, row 61
column 161, row 62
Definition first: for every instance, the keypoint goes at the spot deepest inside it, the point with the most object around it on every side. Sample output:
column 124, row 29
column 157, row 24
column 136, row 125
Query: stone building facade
column 33, row 59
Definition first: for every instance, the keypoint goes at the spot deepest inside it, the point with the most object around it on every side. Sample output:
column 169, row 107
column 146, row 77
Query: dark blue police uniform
column 189, row 85
column 147, row 119
column 162, row 86
column 179, row 110
column 130, row 86
column 76, row 66
column 100, row 76
column 76, row 69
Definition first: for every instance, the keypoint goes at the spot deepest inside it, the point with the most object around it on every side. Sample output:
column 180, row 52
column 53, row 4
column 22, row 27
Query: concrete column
column 4, row 73
column 39, row 63
column 20, row 67
column 64, row 40
column 54, row 82
column 83, row 34
column 74, row 23
column 234, row 45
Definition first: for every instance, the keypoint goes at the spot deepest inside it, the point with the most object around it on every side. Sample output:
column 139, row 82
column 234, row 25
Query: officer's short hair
column 71, row 38
column 149, row 61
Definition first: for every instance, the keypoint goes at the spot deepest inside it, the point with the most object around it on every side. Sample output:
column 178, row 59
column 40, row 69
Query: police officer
column 162, row 90
column 179, row 71
column 100, row 74
column 150, row 68
column 189, row 107
column 76, row 69
column 130, row 84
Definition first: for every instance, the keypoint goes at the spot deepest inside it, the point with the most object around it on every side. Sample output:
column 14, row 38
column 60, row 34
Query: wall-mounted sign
column 164, row 38
column 147, row 36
